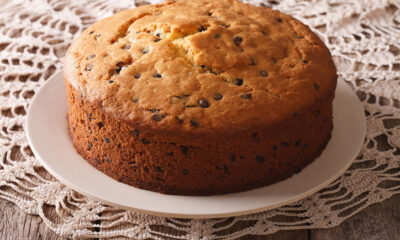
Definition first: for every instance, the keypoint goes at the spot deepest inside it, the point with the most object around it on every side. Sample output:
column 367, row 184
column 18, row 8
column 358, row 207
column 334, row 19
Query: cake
column 199, row 97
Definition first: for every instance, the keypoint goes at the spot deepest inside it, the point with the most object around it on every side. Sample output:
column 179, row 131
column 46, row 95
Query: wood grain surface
column 380, row 221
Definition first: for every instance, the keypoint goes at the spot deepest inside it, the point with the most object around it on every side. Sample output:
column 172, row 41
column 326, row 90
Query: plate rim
column 60, row 178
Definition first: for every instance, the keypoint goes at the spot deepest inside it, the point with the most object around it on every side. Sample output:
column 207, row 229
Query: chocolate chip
column 316, row 86
column 157, row 75
column 170, row 153
column 110, row 81
column 194, row 123
column 135, row 132
column 253, row 61
column 202, row 28
column 298, row 37
column 153, row 110
column 135, row 100
column 185, row 172
column 305, row 61
column 89, row 116
column 241, row 157
column 233, row 157
column 158, row 117
column 260, row 159
column 264, row 73
column 274, row 147
column 89, row 67
column 285, row 144
column 237, row 40
column 217, row 96
column 145, row 51
column 158, row 34
column 318, row 112
column 145, row 141
column 126, row 47
column 297, row 143
column 97, row 160
column 279, row 20
column 157, row 40
column 246, row 96
column 159, row 169
column 238, row 82
column 107, row 159
column 203, row 103
column 180, row 121
column 138, row 75
column 90, row 144
column 254, row 134
column 297, row 170
column 273, row 60
column 91, row 56
column 295, row 114
column 184, row 149
column 91, row 32
column 100, row 125
column 217, row 35
column 225, row 169
column 107, row 140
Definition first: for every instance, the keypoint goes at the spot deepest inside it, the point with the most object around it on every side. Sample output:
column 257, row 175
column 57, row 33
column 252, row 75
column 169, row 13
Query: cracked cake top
column 203, row 65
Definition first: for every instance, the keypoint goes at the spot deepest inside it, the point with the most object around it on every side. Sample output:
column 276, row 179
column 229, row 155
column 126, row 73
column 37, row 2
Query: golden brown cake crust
column 163, row 66
column 199, row 97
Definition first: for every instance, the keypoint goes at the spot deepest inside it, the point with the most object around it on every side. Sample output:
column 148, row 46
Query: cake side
column 215, row 164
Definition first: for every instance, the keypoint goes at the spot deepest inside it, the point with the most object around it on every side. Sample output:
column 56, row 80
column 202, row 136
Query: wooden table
column 379, row 221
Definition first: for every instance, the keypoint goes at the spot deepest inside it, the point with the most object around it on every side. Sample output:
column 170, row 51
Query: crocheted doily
column 363, row 37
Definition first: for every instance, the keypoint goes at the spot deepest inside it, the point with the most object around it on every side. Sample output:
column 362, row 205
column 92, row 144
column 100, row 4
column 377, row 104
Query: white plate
column 47, row 134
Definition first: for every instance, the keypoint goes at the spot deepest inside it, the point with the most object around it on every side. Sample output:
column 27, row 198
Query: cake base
column 145, row 159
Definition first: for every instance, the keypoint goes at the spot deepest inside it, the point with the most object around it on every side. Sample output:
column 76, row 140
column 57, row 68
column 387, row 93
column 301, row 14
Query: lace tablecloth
column 363, row 37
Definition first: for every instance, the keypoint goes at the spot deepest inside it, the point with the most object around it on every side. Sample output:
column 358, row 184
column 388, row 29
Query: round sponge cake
column 199, row 97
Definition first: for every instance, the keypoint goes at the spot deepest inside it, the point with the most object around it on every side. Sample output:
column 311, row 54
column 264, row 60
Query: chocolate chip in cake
column 145, row 141
column 295, row 114
column 285, row 144
column 203, row 103
column 110, row 81
column 90, row 144
column 253, row 61
column 126, row 47
column 91, row 32
column 260, row 159
column 180, row 121
column 241, row 157
column 89, row 117
column 185, row 172
column 225, row 169
column 246, row 96
column 264, row 73
column 137, row 75
column 97, row 160
column 157, row 75
column 274, row 147
column 273, row 61
column 89, row 67
column 298, row 36
column 237, row 40
column 107, row 140
column 217, row 96
column 135, row 100
column 279, row 19
column 305, row 61
column 318, row 112
column 159, row 169
column 153, row 110
column 297, row 143
column 238, row 82
column 91, row 56
column 254, row 135
column 135, row 133
column 194, row 123
column 170, row 153
column 100, row 125
column 158, row 117
column 297, row 170
column 217, row 35
column 145, row 51
column 184, row 149
column 316, row 86
column 202, row 28
column 157, row 39
column 107, row 159
column 233, row 157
